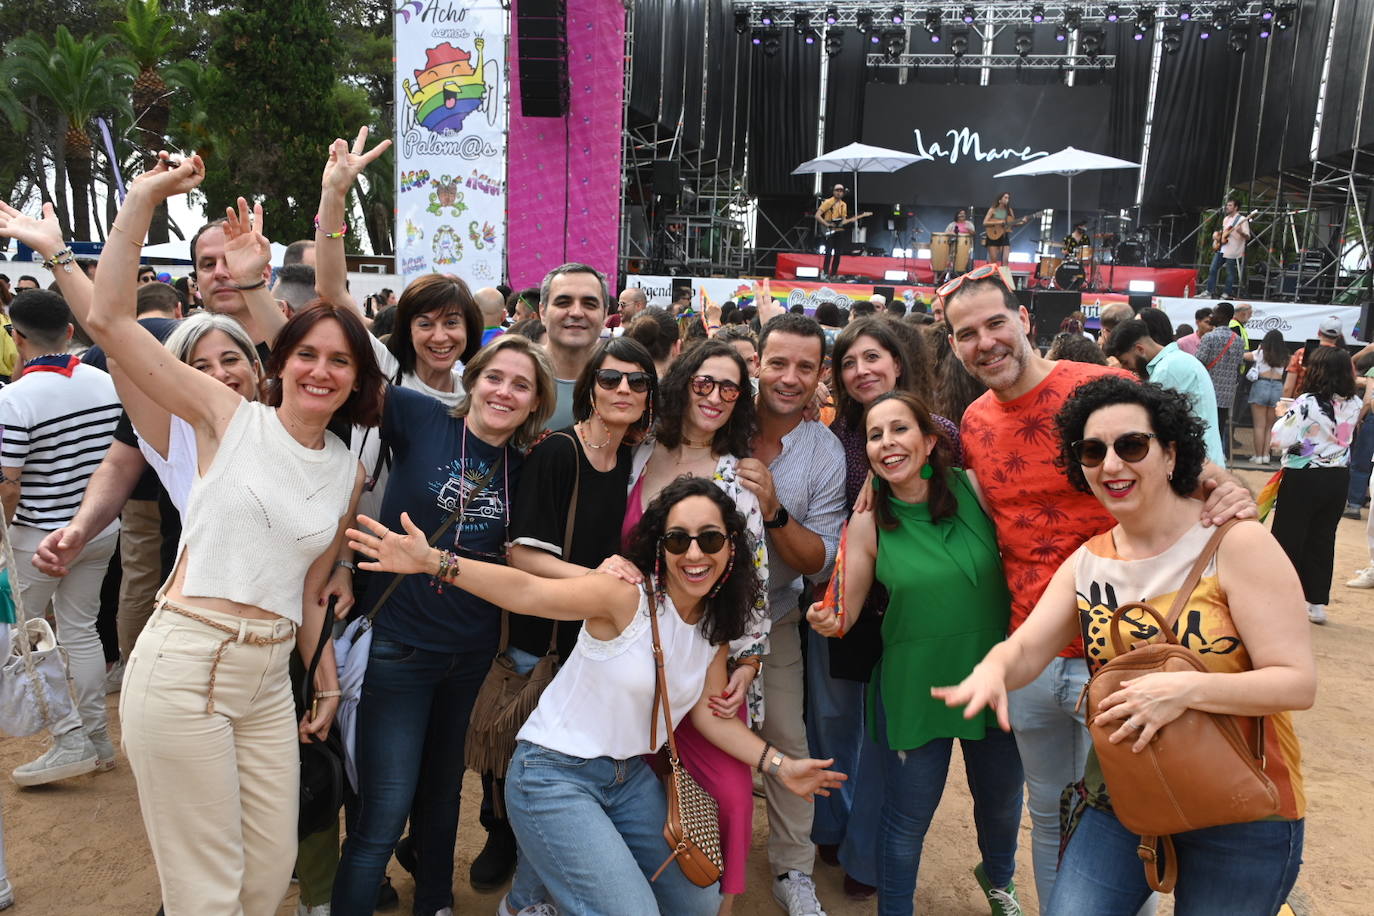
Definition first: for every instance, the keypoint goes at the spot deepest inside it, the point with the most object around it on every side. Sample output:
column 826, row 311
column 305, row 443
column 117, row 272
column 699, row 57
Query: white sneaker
column 105, row 757
column 71, row 754
column 534, row 909
column 114, row 678
column 796, row 893
column 1316, row 613
column 6, row 894
column 319, row 910
column 1363, row 579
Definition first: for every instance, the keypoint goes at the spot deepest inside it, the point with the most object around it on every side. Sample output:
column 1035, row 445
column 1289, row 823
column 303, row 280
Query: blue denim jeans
column 913, row 782
column 1361, row 455
column 412, row 720
column 1054, row 743
column 1239, row 868
column 591, row 831
column 835, row 727
column 1232, row 266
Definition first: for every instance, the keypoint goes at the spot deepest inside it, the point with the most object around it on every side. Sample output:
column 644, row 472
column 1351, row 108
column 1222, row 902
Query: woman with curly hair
column 1139, row 449
column 587, row 810
column 1314, row 437
column 705, row 423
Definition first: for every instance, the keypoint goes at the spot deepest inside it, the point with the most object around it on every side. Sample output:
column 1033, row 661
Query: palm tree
column 79, row 78
column 146, row 34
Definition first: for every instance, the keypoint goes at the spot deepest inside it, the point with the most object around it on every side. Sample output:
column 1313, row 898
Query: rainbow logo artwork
column 448, row 89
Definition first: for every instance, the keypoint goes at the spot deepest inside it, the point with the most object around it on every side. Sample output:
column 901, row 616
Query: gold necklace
column 582, row 434
column 688, row 443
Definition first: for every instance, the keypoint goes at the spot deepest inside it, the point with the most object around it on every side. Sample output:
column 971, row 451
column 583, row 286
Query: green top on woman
column 948, row 605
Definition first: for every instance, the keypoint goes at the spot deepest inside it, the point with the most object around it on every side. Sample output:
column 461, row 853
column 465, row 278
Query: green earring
column 927, row 471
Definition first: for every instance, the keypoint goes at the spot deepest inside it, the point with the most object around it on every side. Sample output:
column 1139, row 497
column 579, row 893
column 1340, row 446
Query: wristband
column 251, row 286
column 343, row 230
column 346, row 564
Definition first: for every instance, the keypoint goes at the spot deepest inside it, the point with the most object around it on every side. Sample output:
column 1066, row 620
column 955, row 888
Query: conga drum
column 939, row 250
column 1047, row 268
column 963, row 252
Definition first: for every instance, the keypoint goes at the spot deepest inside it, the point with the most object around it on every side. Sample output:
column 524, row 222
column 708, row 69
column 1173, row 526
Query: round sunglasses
column 1130, row 447
column 678, row 541
column 610, row 380
column 703, row 385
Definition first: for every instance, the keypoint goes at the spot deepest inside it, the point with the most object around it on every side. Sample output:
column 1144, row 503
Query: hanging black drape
column 782, row 128
column 1349, row 66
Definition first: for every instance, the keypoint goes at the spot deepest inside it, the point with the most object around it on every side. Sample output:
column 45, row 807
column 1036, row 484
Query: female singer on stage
column 998, row 222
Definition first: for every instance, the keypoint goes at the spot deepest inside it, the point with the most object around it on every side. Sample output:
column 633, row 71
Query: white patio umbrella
column 856, row 158
column 1068, row 162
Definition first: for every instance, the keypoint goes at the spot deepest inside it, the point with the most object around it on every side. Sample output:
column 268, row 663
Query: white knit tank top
column 600, row 702
column 266, row 508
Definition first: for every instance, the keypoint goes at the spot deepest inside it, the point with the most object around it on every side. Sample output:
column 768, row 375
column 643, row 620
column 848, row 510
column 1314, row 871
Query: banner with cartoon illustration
column 451, row 139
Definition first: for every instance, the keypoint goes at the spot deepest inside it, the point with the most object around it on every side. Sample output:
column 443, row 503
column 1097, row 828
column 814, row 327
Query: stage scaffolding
column 684, row 210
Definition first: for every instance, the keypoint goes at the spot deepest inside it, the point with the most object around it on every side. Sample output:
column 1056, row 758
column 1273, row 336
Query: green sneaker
column 1002, row 900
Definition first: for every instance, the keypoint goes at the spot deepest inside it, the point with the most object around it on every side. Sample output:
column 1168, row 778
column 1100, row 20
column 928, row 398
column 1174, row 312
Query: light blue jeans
column 1053, row 740
column 591, row 831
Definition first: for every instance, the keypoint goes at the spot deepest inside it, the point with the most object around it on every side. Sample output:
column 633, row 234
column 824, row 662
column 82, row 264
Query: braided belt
column 239, row 635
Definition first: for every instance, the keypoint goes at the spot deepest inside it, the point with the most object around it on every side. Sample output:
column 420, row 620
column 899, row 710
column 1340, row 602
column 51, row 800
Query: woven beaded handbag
column 693, row 825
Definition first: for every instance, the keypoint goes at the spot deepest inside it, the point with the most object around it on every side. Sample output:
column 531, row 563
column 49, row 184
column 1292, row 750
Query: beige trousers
column 789, row 815
column 140, row 554
column 219, row 791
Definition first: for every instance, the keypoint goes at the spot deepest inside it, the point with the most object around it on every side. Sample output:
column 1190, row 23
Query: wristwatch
column 777, row 521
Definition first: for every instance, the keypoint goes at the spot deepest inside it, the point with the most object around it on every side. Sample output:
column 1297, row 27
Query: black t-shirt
column 551, row 470
column 149, row 487
column 158, row 327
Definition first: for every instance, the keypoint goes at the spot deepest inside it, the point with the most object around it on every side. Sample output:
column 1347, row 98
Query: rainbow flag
column 1269, row 495
column 834, row 592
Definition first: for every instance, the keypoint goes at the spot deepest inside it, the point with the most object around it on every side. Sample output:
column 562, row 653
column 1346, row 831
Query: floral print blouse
column 1316, row 433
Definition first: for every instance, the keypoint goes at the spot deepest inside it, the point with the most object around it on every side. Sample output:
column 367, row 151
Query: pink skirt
column 731, row 784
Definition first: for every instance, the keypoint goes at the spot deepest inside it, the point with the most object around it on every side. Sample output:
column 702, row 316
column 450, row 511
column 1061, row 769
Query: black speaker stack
column 541, row 28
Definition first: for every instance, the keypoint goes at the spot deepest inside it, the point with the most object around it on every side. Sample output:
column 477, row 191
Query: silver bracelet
column 346, row 564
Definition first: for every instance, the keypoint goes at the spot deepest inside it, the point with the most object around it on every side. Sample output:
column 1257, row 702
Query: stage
column 1168, row 281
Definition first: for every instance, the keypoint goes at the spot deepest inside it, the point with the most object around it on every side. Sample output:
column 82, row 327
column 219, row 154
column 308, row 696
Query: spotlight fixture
column 1265, row 30
column 1061, row 33
column 741, row 21
column 1222, row 17
column 933, row 19
column 1037, row 12
column 767, row 17
column 1284, row 17
column 1138, row 34
column 969, row 14
column 1073, row 18
column 1090, row 40
column 1267, row 11
column 1204, row 31
column 898, row 15
column 864, row 20
column 771, row 41
column 834, row 41
column 1025, row 40
column 832, row 15
column 875, row 38
column 1185, row 12
column 958, row 41
column 894, row 42
column 1173, row 37
column 1239, row 38
column 1113, row 12
column 802, row 23
column 935, row 37
column 1145, row 18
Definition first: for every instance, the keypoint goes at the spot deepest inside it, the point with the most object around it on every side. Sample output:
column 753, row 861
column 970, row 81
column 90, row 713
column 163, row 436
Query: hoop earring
column 720, row 583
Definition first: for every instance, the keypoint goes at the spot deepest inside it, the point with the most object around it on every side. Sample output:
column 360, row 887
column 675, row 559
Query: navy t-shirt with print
column 434, row 464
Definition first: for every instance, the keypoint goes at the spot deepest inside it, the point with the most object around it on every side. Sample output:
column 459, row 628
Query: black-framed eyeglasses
column 610, row 380
column 1130, row 447
column 678, row 542
column 703, row 385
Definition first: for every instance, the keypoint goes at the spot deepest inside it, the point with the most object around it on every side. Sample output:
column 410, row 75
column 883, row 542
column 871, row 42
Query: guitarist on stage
column 833, row 215
column 999, row 220
column 1229, row 243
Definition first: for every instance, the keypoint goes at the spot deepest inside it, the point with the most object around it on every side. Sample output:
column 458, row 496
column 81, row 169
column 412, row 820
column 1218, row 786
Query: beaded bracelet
column 764, row 756
column 64, row 258
column 448, row 569
column 331, row 235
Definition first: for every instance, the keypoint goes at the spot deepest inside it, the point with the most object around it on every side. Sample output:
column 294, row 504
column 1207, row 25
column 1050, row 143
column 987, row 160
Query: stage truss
column 996, row 12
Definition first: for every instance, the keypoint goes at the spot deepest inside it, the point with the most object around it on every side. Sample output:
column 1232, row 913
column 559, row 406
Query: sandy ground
column 78, row 848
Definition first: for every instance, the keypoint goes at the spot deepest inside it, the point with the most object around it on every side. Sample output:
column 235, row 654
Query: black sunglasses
column 703, row 385
column 1130, row 447
column 677, row 541
column 610, row 380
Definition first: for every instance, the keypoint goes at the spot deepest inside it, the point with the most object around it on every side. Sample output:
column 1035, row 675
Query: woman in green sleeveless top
column 928, row 541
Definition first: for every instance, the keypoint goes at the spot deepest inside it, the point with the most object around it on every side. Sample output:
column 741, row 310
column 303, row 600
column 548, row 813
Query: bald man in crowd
column 492, row 304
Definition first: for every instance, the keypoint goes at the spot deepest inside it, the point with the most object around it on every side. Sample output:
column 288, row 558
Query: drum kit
column 1110, row 242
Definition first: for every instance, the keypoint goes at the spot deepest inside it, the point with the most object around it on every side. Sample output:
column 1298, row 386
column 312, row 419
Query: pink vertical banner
column 563, row 174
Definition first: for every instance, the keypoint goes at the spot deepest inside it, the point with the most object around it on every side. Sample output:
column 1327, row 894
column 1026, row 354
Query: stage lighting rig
column 1061, row 33
column 767, row 17
column 1222, row 17
column 832, row 15
column 1267, row 11
column 958, row 41
column 1239, row 39
column 834, row 41
column 1284, row 17
column 1073, row 18
column 1025, row 40
column 741, row 21
column 933, row 20
column 935, row 37
column 1090, row 41
column 1145, row 18
column 770, row 40
column 1185, row 12
column 898, row 15
column 1265, row 29
column 1112, row 12
column 894, row 42
column 970, row 15
column 1037, row 12
column 1173, row 38
column 1204, row 31
column 864, row 20
column 802, row 23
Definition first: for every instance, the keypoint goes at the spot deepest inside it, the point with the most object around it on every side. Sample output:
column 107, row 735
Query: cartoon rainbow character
column 448, row 88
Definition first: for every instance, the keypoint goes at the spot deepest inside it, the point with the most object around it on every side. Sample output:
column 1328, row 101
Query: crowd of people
column 839, row 543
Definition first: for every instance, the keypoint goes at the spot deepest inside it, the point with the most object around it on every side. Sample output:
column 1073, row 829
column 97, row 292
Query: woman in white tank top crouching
column 588, row 812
